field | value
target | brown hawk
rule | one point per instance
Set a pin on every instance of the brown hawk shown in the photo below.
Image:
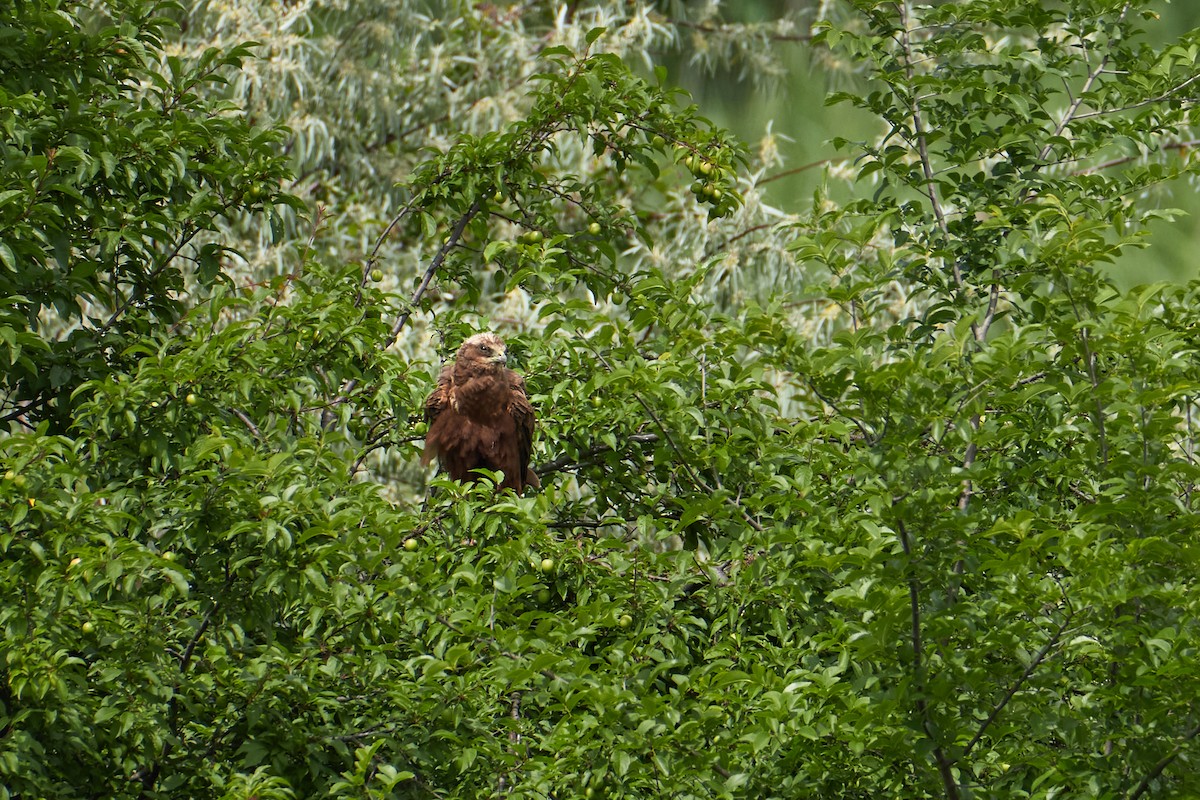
(480, 417)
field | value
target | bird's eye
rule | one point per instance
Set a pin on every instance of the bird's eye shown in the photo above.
(485, 349)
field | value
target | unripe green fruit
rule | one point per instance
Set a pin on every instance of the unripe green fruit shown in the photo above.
(706, 168)
(625, 621)
(411, 544)
(87, 627)
(658, 142)
(594, 228)
(547, 565)
(543, 596)
(377, 275)
(191, 399)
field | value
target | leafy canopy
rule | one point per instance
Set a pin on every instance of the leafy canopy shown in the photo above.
(911, 519)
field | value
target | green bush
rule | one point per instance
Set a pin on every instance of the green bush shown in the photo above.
(913, 522)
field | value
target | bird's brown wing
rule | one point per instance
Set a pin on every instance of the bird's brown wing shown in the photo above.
(524, 418)
(437, 402)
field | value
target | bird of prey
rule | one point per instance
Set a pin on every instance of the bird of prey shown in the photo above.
(480, 417)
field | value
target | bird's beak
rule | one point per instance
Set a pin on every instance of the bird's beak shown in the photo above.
(500, 358)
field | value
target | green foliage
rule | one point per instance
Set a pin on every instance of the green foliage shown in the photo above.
(116, 168)
(914, 522)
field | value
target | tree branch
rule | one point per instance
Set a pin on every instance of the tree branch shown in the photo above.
(1073, 109)
(740, 31)
(438, 259)
(568, 463)
(1017, 684)
(1162, 764)
(944, 764)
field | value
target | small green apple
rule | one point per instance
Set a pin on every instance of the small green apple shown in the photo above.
(411, 544)
(625, 620)
(547, 566)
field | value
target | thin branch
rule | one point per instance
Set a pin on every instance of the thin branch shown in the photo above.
(944, 764)
(989, 316)
(868, 433)
(1073, 110)
(586, 523)
(931, 190)
(1164, 762)
(237, 412)
(968, 461)
(794, 170)
(740, 31)
(573, 462)
(1089, 360)
(1116, 162)
(919, 132)
(1017, 684)
(434, 265)
(378, 730)
(186, 658)
(696, 479)
(1167, 95)
(438, 259)
(185, 236)
(1037, 376)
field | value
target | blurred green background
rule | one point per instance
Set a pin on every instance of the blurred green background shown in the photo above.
(794, 107)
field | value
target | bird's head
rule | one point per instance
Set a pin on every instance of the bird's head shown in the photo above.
(487, 348)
